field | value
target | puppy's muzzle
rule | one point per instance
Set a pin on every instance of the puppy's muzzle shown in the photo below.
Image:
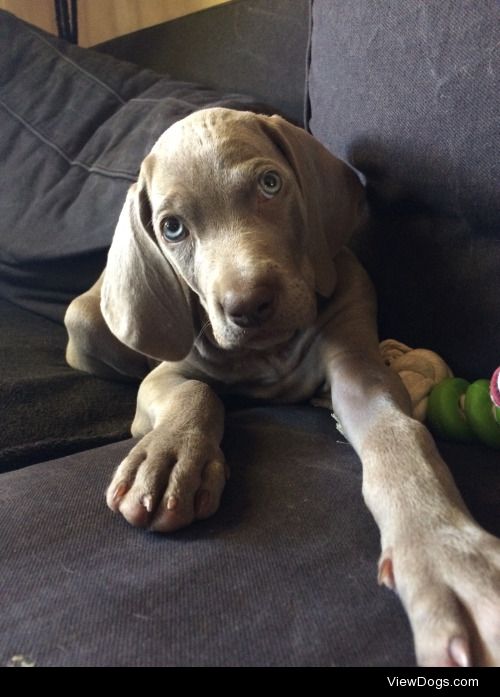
(251, 307)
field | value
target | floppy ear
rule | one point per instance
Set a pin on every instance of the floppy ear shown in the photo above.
(334, 198)
(144, 302)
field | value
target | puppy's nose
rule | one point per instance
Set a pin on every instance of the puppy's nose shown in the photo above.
(250, 308)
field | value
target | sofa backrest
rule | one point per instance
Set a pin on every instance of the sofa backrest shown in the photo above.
(255, 47)
(408, 92)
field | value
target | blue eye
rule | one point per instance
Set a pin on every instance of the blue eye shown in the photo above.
(173, 230)
(270, 183)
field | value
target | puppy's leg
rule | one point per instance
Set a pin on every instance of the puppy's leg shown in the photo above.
(91, 345)
(445, 568)
(176, 473)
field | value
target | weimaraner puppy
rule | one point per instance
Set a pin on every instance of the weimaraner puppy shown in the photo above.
(228, 272)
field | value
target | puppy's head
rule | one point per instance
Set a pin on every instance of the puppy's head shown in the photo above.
(236, 217)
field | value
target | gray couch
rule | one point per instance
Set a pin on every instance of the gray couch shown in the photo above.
(285, 573)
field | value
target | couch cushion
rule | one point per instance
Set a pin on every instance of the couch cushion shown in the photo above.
(408, 92)
(49, 409)
(74, 127)
(285, 574)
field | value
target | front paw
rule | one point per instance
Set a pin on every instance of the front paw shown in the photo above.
(168, 480)
(449, 582)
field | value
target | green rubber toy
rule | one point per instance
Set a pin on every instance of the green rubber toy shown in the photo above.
(445, 411)
(464, 412)
(481, 413)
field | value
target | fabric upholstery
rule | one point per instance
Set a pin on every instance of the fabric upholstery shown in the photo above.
(283, 575)
(48, 409)
(408, 92)
(259, 49)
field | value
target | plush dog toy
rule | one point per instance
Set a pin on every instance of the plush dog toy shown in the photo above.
(459, 410)
(419, 369)
(454, 408)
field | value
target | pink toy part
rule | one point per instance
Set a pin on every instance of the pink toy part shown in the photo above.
(495, 388)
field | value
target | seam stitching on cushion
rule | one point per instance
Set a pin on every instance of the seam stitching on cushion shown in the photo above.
(78, 67)
(73, 163)
(169, 99)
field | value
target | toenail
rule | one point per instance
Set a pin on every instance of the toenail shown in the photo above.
(120, 490)
(147, 502)
(172, 503)
(459, 652)
(386, 574)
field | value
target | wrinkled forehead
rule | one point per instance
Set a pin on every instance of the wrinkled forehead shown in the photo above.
(211, 142)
